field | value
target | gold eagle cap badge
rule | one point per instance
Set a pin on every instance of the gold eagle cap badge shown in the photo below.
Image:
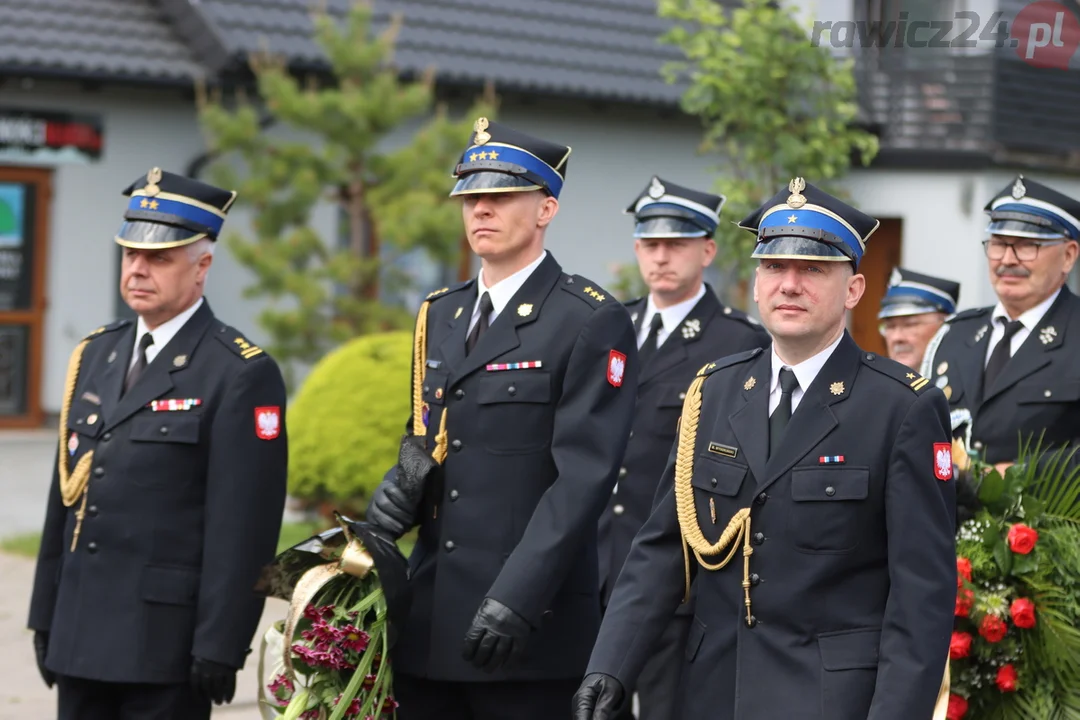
(152, 179)
(480, 128)
(796, 199)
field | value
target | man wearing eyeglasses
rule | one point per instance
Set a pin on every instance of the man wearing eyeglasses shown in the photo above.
(1014, 366)
(913, 309)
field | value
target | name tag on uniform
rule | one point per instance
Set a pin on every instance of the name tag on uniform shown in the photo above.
(496, 367)
(725, 450)
(174, 404)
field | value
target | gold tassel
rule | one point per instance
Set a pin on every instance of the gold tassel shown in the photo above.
(419, 363)
(73, 483)
(439, 453)
(738, 528)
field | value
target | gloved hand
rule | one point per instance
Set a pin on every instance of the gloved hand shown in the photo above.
(216, 681)
(414, 465)
(41, 647)
(391, 510)
(598, 697)
(497, 636)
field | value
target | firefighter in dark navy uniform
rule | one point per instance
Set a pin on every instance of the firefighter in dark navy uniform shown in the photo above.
(169, 487)
(912, 311)
(809, 500)
(1012, 369)
(523, 393)
(680, 326)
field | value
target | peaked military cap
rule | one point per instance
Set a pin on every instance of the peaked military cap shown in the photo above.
(806, 223)
(499, 159)
(1031, 210)
(667, 210)
(912, 293)
(168, 210)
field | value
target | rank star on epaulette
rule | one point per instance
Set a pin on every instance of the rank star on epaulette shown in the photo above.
(247, 350)
(433, 293)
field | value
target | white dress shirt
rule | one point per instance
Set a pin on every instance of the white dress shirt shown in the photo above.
(672, 317)
(501, 292)
(1029, 319)
(805, 372)
(162, 334)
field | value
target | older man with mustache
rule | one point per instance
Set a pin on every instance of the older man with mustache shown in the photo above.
(1014, 366)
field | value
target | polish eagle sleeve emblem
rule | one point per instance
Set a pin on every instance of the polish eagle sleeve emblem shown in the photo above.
(267, 422)
(943, 466)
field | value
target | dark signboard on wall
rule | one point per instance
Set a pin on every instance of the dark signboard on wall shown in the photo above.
(47, 136)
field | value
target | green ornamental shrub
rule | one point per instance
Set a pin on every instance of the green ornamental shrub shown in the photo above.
(346, 421)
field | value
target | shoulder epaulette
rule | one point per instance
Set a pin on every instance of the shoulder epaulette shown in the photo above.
(732, 313)
(235, 341)
(108, 328)
(710, 368)
(591, 293)
(897, 371)
(434, 294)
(974, 312)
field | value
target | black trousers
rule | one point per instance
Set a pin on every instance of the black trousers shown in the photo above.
(658, 686)
(81, 699)
(422, 699)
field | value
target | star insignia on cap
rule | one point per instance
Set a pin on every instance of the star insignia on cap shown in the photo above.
(792, 218)
(492, 155)
(472, 157)
(1047, 335)
(153, 204)
(750, 383)
(837, 388)
(144, 203)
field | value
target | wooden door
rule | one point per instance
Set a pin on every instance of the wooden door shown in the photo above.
(883, 251)
(25, 194)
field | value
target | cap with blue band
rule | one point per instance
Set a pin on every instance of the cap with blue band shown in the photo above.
(500, 159)
(1031, 210)
(169, 210)
(912, 293)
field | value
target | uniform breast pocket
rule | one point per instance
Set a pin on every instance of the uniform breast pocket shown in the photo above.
(716, 483)
(1050, 391)
(827, 508)
(665, 413)
(168, 441)
(515, 411)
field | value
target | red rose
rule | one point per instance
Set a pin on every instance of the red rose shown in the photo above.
(1023, 613)
(992, 628)
(1022, 539)
(963, 570)
(958, 707)
(959, 646)
(1006, 678)
(965, 598)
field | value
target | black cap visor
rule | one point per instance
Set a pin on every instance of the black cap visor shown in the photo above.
(904, 306)
(790, 242)
(511, 178)
(155, 236)
(668, 227)
(1015, 224)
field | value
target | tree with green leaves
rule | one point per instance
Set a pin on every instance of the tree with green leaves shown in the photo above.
(773, 106)
(310, 141)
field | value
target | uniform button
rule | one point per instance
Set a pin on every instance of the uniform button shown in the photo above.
(92, 510)
(164, 430)
(713, 482)
(631, 433)
(830, 491)
(622, 473)
(106, 437)
(618, 509)
(426, 388)
(99, 471)
(755, 579)
(760, 499)
(512, 390)
(459, 393)
(869, 356)
(977, 445)
(449, 545)
(453, 495)
(456, 444)
(91, 548)
(759, 538)
(1046, 393)
(751, 622)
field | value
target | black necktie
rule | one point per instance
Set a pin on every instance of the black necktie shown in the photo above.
(648, 349)
(140, 362)
(481, 326)
(779, 419)
(1000, 357)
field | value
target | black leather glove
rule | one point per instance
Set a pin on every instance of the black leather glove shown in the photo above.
(414, 465)
(41, 648)
(598, 697)
(216, 681)
(391, 510)
(497, 636)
